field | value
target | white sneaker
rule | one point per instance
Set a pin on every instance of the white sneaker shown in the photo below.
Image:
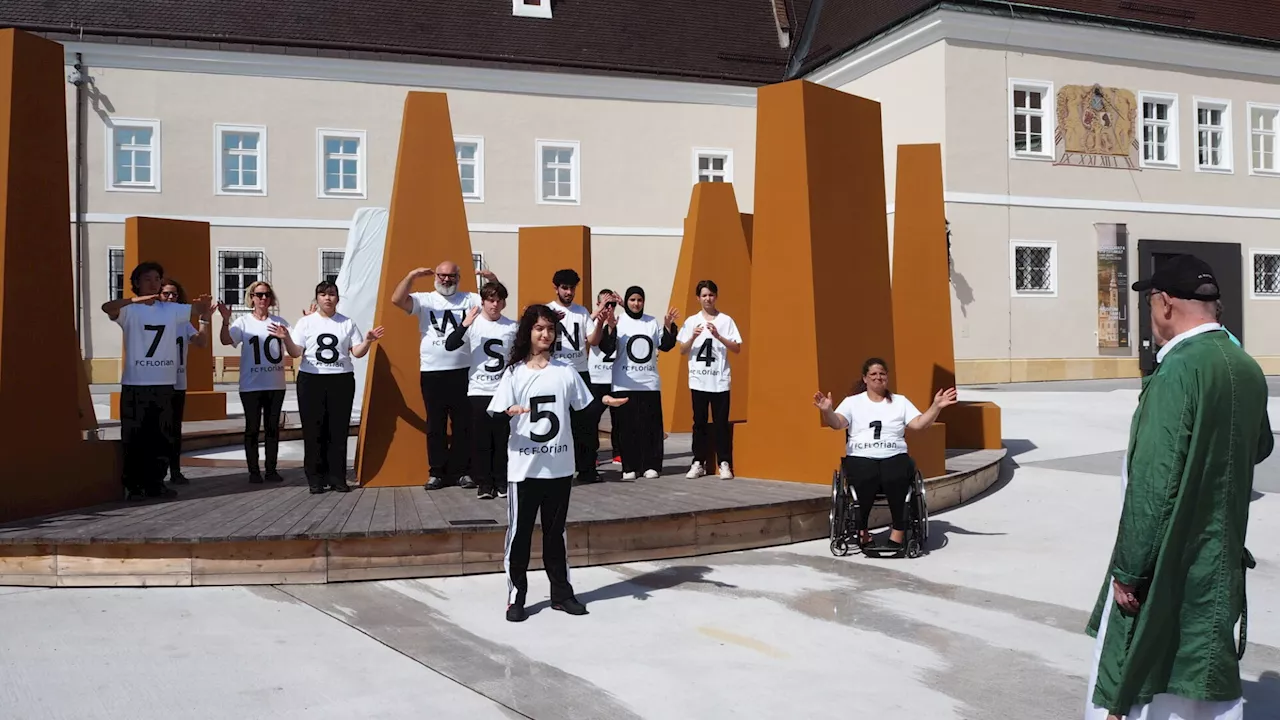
(651, 474)
(628, 476)
(725, 472)
(695, 470)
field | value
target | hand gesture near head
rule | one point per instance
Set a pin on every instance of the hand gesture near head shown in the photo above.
(421, 273)
(488, 276)
(945, 397)
(310, 310)
(822, 402)
(672, 315)
(145, 299)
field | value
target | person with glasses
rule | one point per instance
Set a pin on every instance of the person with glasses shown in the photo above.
(443, 372)
(263, 340)
(171, 291)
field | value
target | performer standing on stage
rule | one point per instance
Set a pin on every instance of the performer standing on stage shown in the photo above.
(488, 337)
(538, 393)
(327, 387)
(263, 340)
(711, 335)
(577, 333)
(186, 337)
(443, 372)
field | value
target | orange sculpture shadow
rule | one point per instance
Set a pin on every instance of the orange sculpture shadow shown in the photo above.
(427, 225)
(543, 251)
(48, 466)
(820, 223)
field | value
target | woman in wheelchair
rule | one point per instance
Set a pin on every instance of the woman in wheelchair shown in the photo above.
(876, 461)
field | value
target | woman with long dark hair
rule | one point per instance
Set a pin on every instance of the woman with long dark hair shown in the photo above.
(875, 422)
(172, 291)
(539, 394)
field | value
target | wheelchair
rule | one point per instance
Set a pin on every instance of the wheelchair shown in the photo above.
(845, 526)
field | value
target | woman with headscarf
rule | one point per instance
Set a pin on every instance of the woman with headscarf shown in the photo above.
(636, 343)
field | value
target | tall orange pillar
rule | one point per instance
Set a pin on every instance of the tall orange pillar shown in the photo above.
(182, 247)
(543, 251)
(714, 248)
(820, 236)
(427, 225)
(47, 465)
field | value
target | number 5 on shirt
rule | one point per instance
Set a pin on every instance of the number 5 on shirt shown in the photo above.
(537, 416)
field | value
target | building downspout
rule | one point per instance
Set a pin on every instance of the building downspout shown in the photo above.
(80, 78)
(801, 49)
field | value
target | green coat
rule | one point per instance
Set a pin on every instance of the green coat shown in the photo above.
(1200, 427)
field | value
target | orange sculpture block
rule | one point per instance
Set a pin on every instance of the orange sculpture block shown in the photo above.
(427, 225)
(714, 248)
(928, 448)
(543, 251)
(48, 466)
(973, 426)
(820, 225)
(182, 247)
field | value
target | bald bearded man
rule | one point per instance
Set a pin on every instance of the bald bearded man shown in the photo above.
(443, 372)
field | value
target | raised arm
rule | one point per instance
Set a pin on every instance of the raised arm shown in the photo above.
(687, 345)
(830, 417)
(400, 298)
(225, 334)
(277, 330)
(944, 398)
(454, 341)
(112, 307)
(205, 329)
(359, 351)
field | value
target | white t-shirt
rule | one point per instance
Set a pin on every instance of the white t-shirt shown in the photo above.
(184, 350)
(438, 316)
(326, 343)
(150, 351)
(571, 335)
(600, 365)
(636, 366)
(490, 346)
(708, 357)
(541, 443)
(876, 429)
(261, 355)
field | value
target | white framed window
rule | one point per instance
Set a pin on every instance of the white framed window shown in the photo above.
(1213, 135)
(712, 165)
(1262, 139)
(115, 273)
(240, 159)
(1033, 267)
(331, 264)
(1031, 119)
(531, 8)
(477, 263)
(1266, 274)
(133, 155)
(469, 151)
(238, 268)
(1159, 130)
(340, 169)
(558, 163)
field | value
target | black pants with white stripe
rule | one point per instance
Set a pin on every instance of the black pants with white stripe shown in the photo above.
(146, 432)
(526, 499)
(489, 435)
(324, 403)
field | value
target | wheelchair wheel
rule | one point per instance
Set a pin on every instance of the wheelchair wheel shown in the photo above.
(920, 525)
(837, 517)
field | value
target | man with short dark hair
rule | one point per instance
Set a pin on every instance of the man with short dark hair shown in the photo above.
(577, 332)
(1166, 616)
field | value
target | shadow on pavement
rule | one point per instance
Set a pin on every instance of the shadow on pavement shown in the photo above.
(640, 586)
(1262, 696)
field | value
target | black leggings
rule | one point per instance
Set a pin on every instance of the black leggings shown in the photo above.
(719, 404)
(262, 408)
(146, 432)
(324, 402)
(889, 476)
(175, 446)
(444, 394)
(639, 429)
(489, 433)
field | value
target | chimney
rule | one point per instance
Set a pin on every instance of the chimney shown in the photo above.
(531, 8)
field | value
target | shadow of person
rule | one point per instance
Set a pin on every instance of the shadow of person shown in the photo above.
(940, 530)
(640, 586)
(1262, 696)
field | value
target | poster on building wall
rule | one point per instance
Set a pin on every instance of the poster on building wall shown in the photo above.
(1113, 285)
(1097, 127)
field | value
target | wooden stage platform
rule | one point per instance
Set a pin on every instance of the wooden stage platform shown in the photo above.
(224, 531)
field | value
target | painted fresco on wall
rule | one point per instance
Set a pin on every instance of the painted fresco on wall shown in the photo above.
(1097, 127)
(1113, 284)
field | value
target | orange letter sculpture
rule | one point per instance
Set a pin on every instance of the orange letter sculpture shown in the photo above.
(714, 248)
(543, 251)
(182, 247)
(427, 225)
(820, 274)
(48, 466)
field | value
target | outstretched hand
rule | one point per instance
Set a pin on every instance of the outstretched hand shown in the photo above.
(613, 402)
(515, 410)
(201, 304)
(310, 310)
(672, 314)
(471, 316)
(946, 397)
(146, 299)
(374, 334)
(225, 311)
(822, 402)
(277, 331)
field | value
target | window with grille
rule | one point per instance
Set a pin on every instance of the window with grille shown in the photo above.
(331, 264)
(237, 270)
(1034, 268)
(1262, 138)
(713, 166)
(115, 273)
(557, 172)
(1159, 130)
(1266, 274)
(1213, 135)
(469, 152)
(1032, 119)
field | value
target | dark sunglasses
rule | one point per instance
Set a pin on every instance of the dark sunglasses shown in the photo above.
(168, 294)
(262, 295)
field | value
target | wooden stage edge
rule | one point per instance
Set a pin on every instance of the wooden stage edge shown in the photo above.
(224, 531)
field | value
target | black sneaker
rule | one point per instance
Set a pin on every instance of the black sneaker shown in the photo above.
(516, 613)
(317, 489)
(571, 606)
(486, 493)
(502, 491)
(178, 479)
(255, 477)
(588, 478)
(273, 477)
(436, 483)
(339, 485)
(466, 482)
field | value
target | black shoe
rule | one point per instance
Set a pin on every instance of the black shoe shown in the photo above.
(255, 477)
(486, 493)
(273, 477)
(502, 491)
(178, 479)
(588, 478)
(437, 483)
(134, 495)
(516, 613)
(317, 489)
(571, 606)
(339, 486)
(466, 482)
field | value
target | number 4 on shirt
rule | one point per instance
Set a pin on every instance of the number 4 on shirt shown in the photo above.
(705, 354)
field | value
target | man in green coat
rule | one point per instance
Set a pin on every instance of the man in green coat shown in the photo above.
(1166, 617)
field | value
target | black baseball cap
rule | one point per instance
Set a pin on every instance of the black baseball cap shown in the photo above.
(1181, 276)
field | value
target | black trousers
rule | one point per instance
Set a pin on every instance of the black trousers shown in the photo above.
(146, 433)
(586, 435)
(175, 444)
(550, 496)
(489, 434)
(444, 393)
(262, 409)
(641, 430)
(718, 402)
(591, 423)
(889, 476)
(324, 402)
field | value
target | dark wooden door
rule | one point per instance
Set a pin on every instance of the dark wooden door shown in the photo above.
(1224, 258)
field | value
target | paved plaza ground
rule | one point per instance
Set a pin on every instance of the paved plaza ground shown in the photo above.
(990, 624)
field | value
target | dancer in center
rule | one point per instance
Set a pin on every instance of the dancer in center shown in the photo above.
(539, 394)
